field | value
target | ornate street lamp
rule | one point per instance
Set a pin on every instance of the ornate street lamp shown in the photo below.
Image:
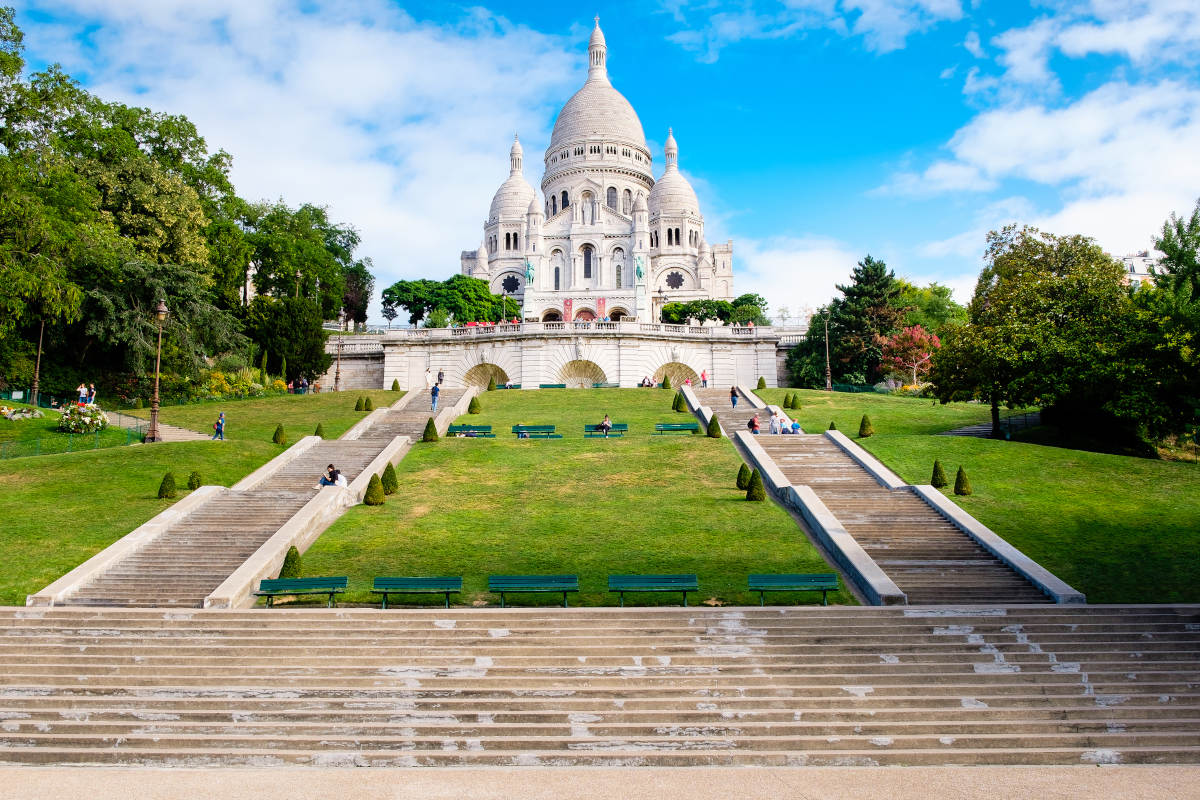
(828, 382)
(337, 375)
(160, 314)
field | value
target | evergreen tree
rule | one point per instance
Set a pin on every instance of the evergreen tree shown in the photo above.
(391, 484)
(374, 495)
(755, 490)
(865, 428)
(714, 428)
(762, 383)
(194, 480)
(832, 426)
(166, 489)
(280, 437)
(291, 564)
(320, 431)
(474, 407)
(666, 381)
(360, 404)
(743, 477)
(491, 387)
(430, 434)
(939, 475)
(368, 404)
(395, 384)
(961, 484)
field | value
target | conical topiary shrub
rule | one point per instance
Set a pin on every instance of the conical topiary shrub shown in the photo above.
(291, 564)
(755, 490)
(865, 428)
(391, 484)
(360, 404)
(368, 404)
(194, 480)
(430, 434)
(262, 365)
(962, 485)
(796, 401)
(743, 477)
(283, 368)
(280, 436)
(678, 404)
(492, 384)
(320, 431)
(714, 428)
(473, 407)
(374, 495)
(666, 381)
(762, 382)
(395, 384)
(166, 489)
(939, 475)
(832, 426)
(137, 402)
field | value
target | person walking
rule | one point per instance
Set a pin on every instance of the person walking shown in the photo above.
(703, 379)
(752, 425)
(219, 427)
(441, 377)
(428, 377)
(433, 394)
(733, 395)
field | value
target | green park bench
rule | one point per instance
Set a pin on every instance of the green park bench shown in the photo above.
(676, 427)
(653, 583)
(480, 431)
(502, 386)
(506, 584)
(596, 432)
(271, 588)
(552, 386)
(606, 386)
(823, 582)
(391, 585)
(536, 431)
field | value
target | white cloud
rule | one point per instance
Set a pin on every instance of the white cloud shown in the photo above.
(402, 128)
(948, 72)
(884, 25)
(799, 272)
(972, 45)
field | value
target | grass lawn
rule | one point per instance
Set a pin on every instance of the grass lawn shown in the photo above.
(592, 507)
(1118, 528)
(889, 414)
(30, 437)
(60, 510)
(255, 419)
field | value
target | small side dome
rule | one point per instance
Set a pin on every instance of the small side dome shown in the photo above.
(535, 208)
(640, 203)
(673, 194)
(704, 248)
(515, 195)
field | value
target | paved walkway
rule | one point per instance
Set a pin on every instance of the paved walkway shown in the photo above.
(1012, 423)
(169, 433)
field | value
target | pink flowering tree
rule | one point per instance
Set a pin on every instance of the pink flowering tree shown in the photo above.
(910, 351)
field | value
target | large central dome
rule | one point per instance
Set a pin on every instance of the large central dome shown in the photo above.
(597, 109)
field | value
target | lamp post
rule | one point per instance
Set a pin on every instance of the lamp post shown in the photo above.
(37, 368)
(828, 381)
(160, 314)
(662, 304)
(504, 306)
(337, 375)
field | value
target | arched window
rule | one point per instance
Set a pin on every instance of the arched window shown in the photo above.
(507, 242)
(564, 200)
(612, 197)
(670, 236)
(677, 239)
(618, 259)
(516, 244)
(553, 205)
(587, 261)
(556, 277)
(627, 202)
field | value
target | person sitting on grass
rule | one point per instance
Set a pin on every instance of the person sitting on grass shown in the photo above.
(606, 425)
(330, 476)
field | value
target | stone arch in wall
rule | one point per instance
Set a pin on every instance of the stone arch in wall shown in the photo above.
(585, 315)
(552, 315)
(678, 373)
(617, 313)
(480, 374)
(581, 374)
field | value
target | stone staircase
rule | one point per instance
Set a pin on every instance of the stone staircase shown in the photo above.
(930, 559)
(410, 420)
(628, 687)
(196, 554)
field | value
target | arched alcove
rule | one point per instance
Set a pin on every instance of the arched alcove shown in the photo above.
(480, 374)
(678, 373)
(581, 374)
(617, 314)
(552, 315)
(585, 315)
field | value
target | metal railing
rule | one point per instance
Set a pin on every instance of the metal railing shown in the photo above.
(56, 444)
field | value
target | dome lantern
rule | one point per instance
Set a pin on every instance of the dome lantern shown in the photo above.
(597, 55)
(515, 156)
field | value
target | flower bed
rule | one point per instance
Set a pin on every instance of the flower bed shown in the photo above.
(82, 419)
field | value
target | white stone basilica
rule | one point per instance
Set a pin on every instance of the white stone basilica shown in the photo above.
(607, 240)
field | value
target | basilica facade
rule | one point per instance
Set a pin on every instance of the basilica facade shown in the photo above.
(604, 239)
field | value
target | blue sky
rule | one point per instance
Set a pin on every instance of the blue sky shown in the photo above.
(815, 131)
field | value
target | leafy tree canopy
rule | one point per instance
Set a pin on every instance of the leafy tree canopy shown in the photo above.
(289, 329)
(464, 298)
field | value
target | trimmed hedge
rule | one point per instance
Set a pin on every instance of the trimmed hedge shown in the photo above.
(280, 437)
(666, 382)
(938, 480)
(395, 384)
(491, 387)
(360, 405)
(320, 431)
(368, 405)
(743, 477)
(474, 407)
(194, 481)
(865, 428)
(291, 564)
(166, 489)
(430, 434)
(714, 428)
(391, 484)
(374, 495)
(762, 382)
(755, 490)
(962, 485)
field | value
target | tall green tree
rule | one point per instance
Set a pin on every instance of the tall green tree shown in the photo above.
(289, 329)
(360, 284)
(464, 298)
(1178, 271)
(932, 307)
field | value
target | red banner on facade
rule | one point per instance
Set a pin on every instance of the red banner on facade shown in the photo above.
(600, 303)
(567, 316)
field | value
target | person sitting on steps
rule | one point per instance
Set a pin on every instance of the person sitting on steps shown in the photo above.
(330, 476)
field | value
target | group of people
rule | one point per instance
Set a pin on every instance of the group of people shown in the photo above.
(298, 387)
(778, 424)
(87, 394)
(485, 323)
